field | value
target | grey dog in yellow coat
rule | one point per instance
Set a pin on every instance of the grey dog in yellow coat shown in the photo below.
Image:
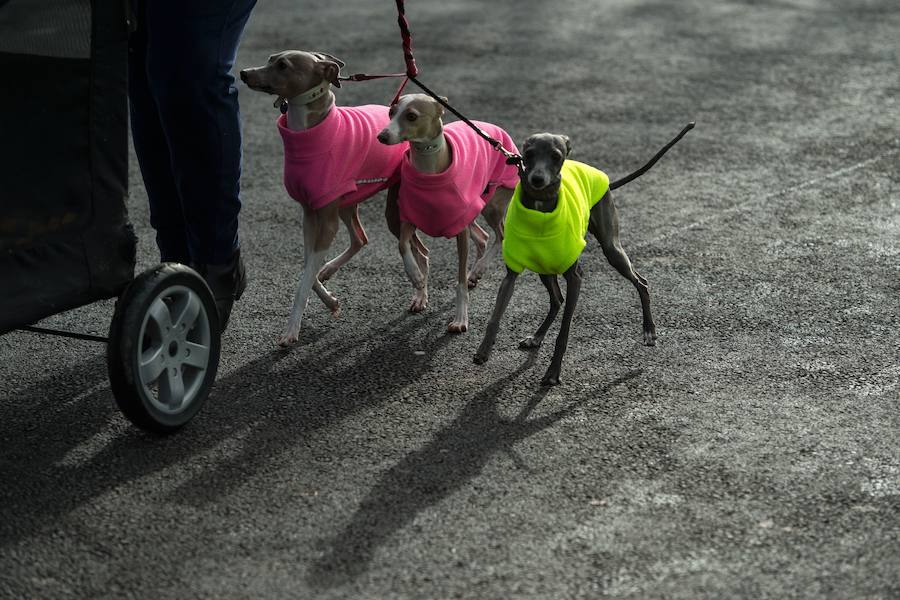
(553, 189)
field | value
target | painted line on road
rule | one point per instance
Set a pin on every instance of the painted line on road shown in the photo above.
(742, 206)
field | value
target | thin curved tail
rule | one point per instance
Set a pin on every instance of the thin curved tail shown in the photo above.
(632, 176)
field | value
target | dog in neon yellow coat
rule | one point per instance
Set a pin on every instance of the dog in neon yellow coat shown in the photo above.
(556, 203)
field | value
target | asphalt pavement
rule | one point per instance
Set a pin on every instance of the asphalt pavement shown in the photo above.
(753, 453)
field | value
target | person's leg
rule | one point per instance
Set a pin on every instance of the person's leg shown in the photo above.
(152, 150)
(191, 49)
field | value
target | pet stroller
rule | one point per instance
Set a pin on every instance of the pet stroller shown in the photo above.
(65, 238)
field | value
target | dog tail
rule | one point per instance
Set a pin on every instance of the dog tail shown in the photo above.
(631, 177)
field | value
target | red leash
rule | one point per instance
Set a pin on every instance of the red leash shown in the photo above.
(406, 36)
(512, 158)
(411, 69)
(364, 77)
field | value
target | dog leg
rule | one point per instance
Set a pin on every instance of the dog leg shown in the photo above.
(319, 228)
(480, 237)
(460, 323)
(392, 210)
(327, 227)
(494, 212)
(411, 264)
(327, 298)
(419, 246)
(573, 289)
(490, 333)
(420, 252)
(358, 238)
(604, 225)
(552, 284)
(301, 296)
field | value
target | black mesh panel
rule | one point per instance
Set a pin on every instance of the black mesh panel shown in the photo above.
(64, 235)
(60, 28)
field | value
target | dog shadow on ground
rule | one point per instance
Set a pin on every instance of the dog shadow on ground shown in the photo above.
(60, 462)
(455, 455)
(281, 425)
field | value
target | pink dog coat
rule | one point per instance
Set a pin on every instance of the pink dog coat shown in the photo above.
(340, 157)
(443, 204)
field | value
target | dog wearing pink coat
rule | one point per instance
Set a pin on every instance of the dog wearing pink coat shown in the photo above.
(332, 162)
(448, 177)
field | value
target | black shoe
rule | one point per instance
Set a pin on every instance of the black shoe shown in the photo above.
(227, 283)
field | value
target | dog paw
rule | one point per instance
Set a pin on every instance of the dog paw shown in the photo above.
(551, 376)
(550, 379)
(288, 339)
(332, 304)
(419, 302)
(530, 343)
(326, 273)
(650, 338)
(474, 276)
(458, 326)
(483, 352)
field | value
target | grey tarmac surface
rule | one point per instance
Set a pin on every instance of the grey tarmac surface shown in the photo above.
(752, 454)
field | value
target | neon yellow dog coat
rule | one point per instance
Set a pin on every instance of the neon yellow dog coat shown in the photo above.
(550, 243)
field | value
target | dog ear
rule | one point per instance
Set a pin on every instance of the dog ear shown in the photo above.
(565, 138)
(441, 106)
(526, 144)
(331, 57)
(329, 70)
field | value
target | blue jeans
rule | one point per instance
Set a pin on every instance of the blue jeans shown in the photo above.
(186, 125)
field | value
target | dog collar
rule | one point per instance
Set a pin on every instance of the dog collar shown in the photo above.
(310, 95)
(432, 146)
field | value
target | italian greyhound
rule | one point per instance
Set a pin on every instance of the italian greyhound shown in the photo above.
(331, 164)
(448, 177)
(562, 200)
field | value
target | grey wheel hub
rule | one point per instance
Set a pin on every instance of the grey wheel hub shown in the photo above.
(173, 355)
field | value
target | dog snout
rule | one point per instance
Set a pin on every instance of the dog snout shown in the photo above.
(244, 75)
(384, 137)
(537, 180)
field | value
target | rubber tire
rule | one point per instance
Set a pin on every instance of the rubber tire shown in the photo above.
(122, 359)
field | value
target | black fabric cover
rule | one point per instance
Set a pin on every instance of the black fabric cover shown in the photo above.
(65, 239)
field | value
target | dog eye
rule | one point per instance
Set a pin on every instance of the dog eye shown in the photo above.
(282, 65)
(411, 116)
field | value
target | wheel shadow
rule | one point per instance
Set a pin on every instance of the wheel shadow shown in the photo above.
(48, 485)
(455, 455)
(42, 425)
